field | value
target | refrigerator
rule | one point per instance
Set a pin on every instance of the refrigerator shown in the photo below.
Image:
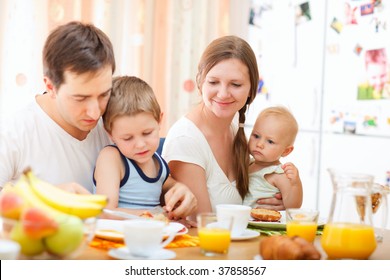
(313, 58)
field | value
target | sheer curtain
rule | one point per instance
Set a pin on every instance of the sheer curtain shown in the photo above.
(159, 41)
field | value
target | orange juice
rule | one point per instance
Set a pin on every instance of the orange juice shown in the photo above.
(214, 240)
(348, 241)
(306, 230)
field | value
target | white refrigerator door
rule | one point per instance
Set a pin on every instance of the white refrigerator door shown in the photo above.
(351, 153)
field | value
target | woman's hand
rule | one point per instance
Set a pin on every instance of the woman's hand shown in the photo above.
(274, 203)
(180, 202)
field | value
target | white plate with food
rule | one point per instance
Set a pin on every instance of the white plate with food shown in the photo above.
(113, 229)
(279, 225)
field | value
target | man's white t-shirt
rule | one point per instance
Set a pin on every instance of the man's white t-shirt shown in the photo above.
(32, 139)
(186, 143)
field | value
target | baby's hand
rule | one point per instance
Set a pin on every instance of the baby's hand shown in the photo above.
(291, 172)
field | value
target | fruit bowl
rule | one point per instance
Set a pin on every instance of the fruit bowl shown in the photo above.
(40, 240)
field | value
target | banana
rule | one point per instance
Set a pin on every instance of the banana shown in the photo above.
(42, 227)
(53, 191)
(22, 187)
(61, 200)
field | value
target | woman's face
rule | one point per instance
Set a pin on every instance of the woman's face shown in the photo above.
(226, 87)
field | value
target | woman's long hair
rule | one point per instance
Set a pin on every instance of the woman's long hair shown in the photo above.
(228, 47)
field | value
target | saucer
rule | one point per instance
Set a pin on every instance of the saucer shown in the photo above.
(123, 253)
(247, 234)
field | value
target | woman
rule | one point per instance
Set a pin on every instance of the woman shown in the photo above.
(205, 150)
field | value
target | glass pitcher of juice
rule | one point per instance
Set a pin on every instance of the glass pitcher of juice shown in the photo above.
(349, 232)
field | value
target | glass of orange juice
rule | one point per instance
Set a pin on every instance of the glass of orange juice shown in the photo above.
(214, 235)
(302, 222)
(348, 240)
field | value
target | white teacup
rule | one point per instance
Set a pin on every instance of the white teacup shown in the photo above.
(9, 250)
(144, 238)
(240, 214)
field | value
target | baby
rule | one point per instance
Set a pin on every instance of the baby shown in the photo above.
(273, 137)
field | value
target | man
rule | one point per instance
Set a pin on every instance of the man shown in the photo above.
(60, 134)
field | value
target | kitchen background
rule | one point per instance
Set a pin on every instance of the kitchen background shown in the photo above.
(325, 60)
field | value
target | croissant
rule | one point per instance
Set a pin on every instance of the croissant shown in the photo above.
(287, 248)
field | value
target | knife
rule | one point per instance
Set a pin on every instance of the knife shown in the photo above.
(122, 214)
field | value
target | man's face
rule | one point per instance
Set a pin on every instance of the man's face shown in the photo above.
(81, 100)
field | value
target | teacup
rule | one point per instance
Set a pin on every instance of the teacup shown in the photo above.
(144, 238)
(9, 250)
(240, 214)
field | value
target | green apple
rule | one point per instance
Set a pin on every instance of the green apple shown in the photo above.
(29, 246)
(68, 237)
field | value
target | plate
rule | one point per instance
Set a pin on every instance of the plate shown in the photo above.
(123, 253)
(247, 234)
(281, 225)
(113, 229)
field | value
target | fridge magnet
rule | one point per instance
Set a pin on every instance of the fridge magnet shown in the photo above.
(349, 127)
(378, 24)
(302, 13)
(370, 121)
(333, 48)
(376, 76)
(358, 49)
(256, 11)
(336, 25)
(377, 3)
(367, 9)
(335, 116)
(261, 89)
(350, 13)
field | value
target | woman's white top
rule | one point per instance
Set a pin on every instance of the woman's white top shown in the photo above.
(186, 143)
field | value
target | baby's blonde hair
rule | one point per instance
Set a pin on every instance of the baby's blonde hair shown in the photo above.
(284, 115)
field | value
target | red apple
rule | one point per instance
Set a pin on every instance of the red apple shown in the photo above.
(37, 223)
(11, 205)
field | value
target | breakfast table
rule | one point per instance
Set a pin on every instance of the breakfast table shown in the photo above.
(239, 250)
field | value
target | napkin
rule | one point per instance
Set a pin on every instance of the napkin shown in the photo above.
(270, 232)
(184, 240)
(181, 241)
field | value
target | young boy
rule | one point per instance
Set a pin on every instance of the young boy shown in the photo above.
(273, 137)
(130, 172)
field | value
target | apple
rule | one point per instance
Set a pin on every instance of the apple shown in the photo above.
(37, 223)
(68, 237)
(11, 205)
(28, 246)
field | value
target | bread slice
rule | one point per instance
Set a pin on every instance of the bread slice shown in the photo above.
(265, 215)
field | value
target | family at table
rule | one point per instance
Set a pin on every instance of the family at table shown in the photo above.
(92, 133)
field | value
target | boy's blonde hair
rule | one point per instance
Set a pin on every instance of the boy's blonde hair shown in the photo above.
(284, 115)
(130, 96)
